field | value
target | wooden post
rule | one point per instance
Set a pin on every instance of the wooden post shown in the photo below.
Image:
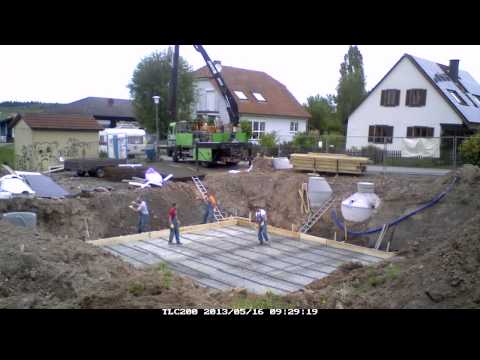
(346, 231)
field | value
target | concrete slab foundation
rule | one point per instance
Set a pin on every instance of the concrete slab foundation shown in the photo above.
(227, 255)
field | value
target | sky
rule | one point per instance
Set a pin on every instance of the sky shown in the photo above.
(66, 73)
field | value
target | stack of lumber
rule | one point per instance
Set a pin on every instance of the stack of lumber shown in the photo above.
(329, 163)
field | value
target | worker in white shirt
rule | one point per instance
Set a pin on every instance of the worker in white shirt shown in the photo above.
(141, 207)
(261, 218)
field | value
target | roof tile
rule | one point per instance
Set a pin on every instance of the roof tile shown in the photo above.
(279, 101)
(44, 121)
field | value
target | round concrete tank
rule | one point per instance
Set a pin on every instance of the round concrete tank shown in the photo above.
(360, 206)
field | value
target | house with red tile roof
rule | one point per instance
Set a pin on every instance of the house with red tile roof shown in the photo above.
(262, 100)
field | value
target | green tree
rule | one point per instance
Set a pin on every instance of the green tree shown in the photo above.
(152, 77)
(351, 86)
(324, 116)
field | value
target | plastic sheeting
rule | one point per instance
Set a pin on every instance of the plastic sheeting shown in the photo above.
(421, 147)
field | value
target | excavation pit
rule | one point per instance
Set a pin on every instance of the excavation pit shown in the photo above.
(227, 255)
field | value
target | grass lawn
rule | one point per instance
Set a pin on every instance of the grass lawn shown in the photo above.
(7, 155)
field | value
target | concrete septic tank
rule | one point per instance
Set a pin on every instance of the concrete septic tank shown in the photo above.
(319, 191)
(227, 255)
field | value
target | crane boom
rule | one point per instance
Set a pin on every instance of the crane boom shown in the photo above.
(232, 107)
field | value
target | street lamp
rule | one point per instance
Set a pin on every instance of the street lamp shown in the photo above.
(156, 100)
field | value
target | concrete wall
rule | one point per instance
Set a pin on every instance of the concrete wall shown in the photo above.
(403, 77)
(36, 150)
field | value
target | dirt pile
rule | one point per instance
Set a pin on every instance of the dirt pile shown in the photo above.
(277, 192)
(95, 215)
(261, 164)
(38, 270)
(440, 267)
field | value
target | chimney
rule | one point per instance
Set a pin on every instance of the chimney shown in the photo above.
(453, 69)
(218, 65)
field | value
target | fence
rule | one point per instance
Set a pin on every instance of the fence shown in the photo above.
(435, 152)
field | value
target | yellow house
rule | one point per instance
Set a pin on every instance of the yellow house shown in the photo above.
(41, 139)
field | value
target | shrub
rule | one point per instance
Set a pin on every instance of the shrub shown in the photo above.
(304, 140)
(470, 150)
(338, 141)
(269, 140)
(246, 127)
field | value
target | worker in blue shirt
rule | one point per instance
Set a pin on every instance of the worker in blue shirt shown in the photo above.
(141, 207)
(261, 219)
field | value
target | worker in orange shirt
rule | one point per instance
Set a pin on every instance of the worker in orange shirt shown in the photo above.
(211, 204)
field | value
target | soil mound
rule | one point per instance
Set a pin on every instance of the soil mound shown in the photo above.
(38, 270)
(440, 267)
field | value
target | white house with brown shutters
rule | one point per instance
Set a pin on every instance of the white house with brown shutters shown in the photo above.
(263, 101)
(416, 99)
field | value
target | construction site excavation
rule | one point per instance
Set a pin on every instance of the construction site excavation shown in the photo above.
(215, 187)
(84, 249)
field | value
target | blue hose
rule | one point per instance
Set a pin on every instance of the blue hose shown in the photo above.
(432, 202)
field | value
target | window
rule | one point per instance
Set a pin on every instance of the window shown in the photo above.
(103, 140)
(211, 103)
(419, 131)
(390, 97)
(416, 97)
(294, 126)
(258, 129)
(457, 97)
(135, 140)
(380, 134)
(259, 97)
(241, 95)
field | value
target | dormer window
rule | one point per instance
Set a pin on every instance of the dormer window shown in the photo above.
(241, 95)
(457, 97)
(259, 97)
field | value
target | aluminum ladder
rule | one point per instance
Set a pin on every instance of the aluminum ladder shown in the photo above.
(313, 217)
(217, 214)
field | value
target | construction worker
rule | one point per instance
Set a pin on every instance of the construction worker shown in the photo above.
(211, 204)
(261, 218)
(140, 206)
(173, 223)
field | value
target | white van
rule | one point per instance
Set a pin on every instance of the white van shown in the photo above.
(134, 139)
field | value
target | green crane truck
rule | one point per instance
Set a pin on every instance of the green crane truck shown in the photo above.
(202, 143)
(186, 141)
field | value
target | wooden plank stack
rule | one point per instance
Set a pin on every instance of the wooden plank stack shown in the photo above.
(329, 163)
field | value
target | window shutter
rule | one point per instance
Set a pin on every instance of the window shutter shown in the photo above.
(370, 133)
(409, 131)
(397, 97)
(382, 98)
(430, 132)
(424, 97)
(407, 98)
